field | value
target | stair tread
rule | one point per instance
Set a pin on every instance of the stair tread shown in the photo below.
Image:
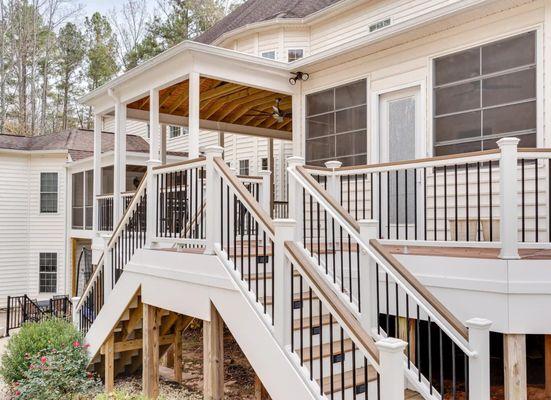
(305, 296)
(411, 395)
(348, 379)
(348, 345)
(315, 321)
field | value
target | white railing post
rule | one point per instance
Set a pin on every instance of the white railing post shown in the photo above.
(265, 191)
(284, 230)
(151, 203)
(333, 180)
(391, 361)
(212, 202)
(479, 365)
(74, 314)
(508, 197)
(368, 283)
(295, 195)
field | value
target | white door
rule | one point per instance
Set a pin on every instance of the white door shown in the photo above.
(399, 140)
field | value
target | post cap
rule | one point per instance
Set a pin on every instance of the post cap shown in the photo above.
(479, 323)
(508, 141)
(391, 345)
(284, 222)
(216, 150)
(295, 160)
(333, 164)
(368, 223)
(264, 172)
(153, 163)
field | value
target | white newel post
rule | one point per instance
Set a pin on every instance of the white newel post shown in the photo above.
(74, 315)
(479, 365)
(333, 180)
(508, 197)
(284, 230)
(368, 284)
(212, 208)
(295, 195)
(265, 191)
(391, 361)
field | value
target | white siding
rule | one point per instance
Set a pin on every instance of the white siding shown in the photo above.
(24, 231)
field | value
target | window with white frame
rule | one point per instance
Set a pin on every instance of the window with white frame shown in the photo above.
(294, 54)
(336, 125)
(175, 131)
(485, 93)
(243, 167)
(269, 54)
(47, 272)
(48, 192)
(264, 164)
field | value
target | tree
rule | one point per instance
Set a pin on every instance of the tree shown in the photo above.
(71, 46)
(102, 51)
(130, 24)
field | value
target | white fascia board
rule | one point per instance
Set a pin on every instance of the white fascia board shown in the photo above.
(34, 152)
(174, 64)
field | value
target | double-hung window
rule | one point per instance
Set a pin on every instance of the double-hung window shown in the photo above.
(244, 167)
(484, 94)
(48, 192)
(47, 272)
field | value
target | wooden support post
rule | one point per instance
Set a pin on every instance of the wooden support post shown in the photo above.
(260, 392)
(150, 365)
(547, 394)
(177, 350)
(514, 353)
(213, 356)
(403, 335)
(109, 351)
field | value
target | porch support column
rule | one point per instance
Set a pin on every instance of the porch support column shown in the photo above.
(97, 170)
(154, 160)
(193, 124)
(213, 356)
(514, 354)
(297, 120)
(154, 126)
(163, 144)
(271, 167)
(119, 170)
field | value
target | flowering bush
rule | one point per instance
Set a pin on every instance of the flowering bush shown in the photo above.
(32, 339)
(58, 374)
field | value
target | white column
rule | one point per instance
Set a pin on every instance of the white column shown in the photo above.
(107, 273)
(284, 230)
(368, 283)
(194, 108)
(212, 199)
(391, 360)
(266, 190)
(479, 366)
(508, 196)
(297, 120)
(97, 170)
(119, 170)
(154, 126)
(163, 144)
(333, 180)
(295, 195)
(154, 161)
(74, 314)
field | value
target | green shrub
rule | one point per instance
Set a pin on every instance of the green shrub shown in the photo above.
(32, 339)
(58, 374)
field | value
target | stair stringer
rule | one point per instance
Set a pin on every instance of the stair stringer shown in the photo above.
(187, 284)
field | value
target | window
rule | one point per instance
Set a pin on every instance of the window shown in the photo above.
(264, 164)
(175, 131)
(48, 192)
(243, 167)
(294, 54)
(78, 200)
(89, 198)
(148, 130)
(336, 125)
(484, 94)
(269, 54)
(48, 273)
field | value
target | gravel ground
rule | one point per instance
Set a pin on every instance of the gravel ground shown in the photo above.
(167, 390)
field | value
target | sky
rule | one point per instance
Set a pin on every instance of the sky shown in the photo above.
(104, 6)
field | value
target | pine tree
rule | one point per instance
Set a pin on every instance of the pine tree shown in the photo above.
(102, 51)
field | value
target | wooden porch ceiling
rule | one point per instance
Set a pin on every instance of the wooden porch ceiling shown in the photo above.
(224, 102)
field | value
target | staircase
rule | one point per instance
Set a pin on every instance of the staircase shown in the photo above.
(348, 318)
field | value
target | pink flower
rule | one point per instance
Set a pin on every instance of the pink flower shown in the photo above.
(89, 375)
(31, 366)
(76, 343)
(17, 393)
(86, 345)
(16, 384)
(43, 360)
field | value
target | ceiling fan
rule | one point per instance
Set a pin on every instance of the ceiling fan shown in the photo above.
(277, 113)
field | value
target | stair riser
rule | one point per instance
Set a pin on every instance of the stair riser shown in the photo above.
(349, 394)
(337, 366)
(316, 338)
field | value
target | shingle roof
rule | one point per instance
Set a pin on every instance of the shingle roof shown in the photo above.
(78, 142)
(262, 10)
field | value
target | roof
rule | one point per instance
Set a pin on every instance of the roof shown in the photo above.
(262, 10)
(79, 143)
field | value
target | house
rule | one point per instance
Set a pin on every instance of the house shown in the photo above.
(414, 262)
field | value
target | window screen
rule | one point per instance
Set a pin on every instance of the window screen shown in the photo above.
(336, 125)
(89, 199)
(264, 164)
(484, 94)
(48, 273)
(48, 192)
(78, 200)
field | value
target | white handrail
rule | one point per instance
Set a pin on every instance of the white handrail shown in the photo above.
(457, 338)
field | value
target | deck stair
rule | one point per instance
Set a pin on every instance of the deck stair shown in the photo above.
(340, 308)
